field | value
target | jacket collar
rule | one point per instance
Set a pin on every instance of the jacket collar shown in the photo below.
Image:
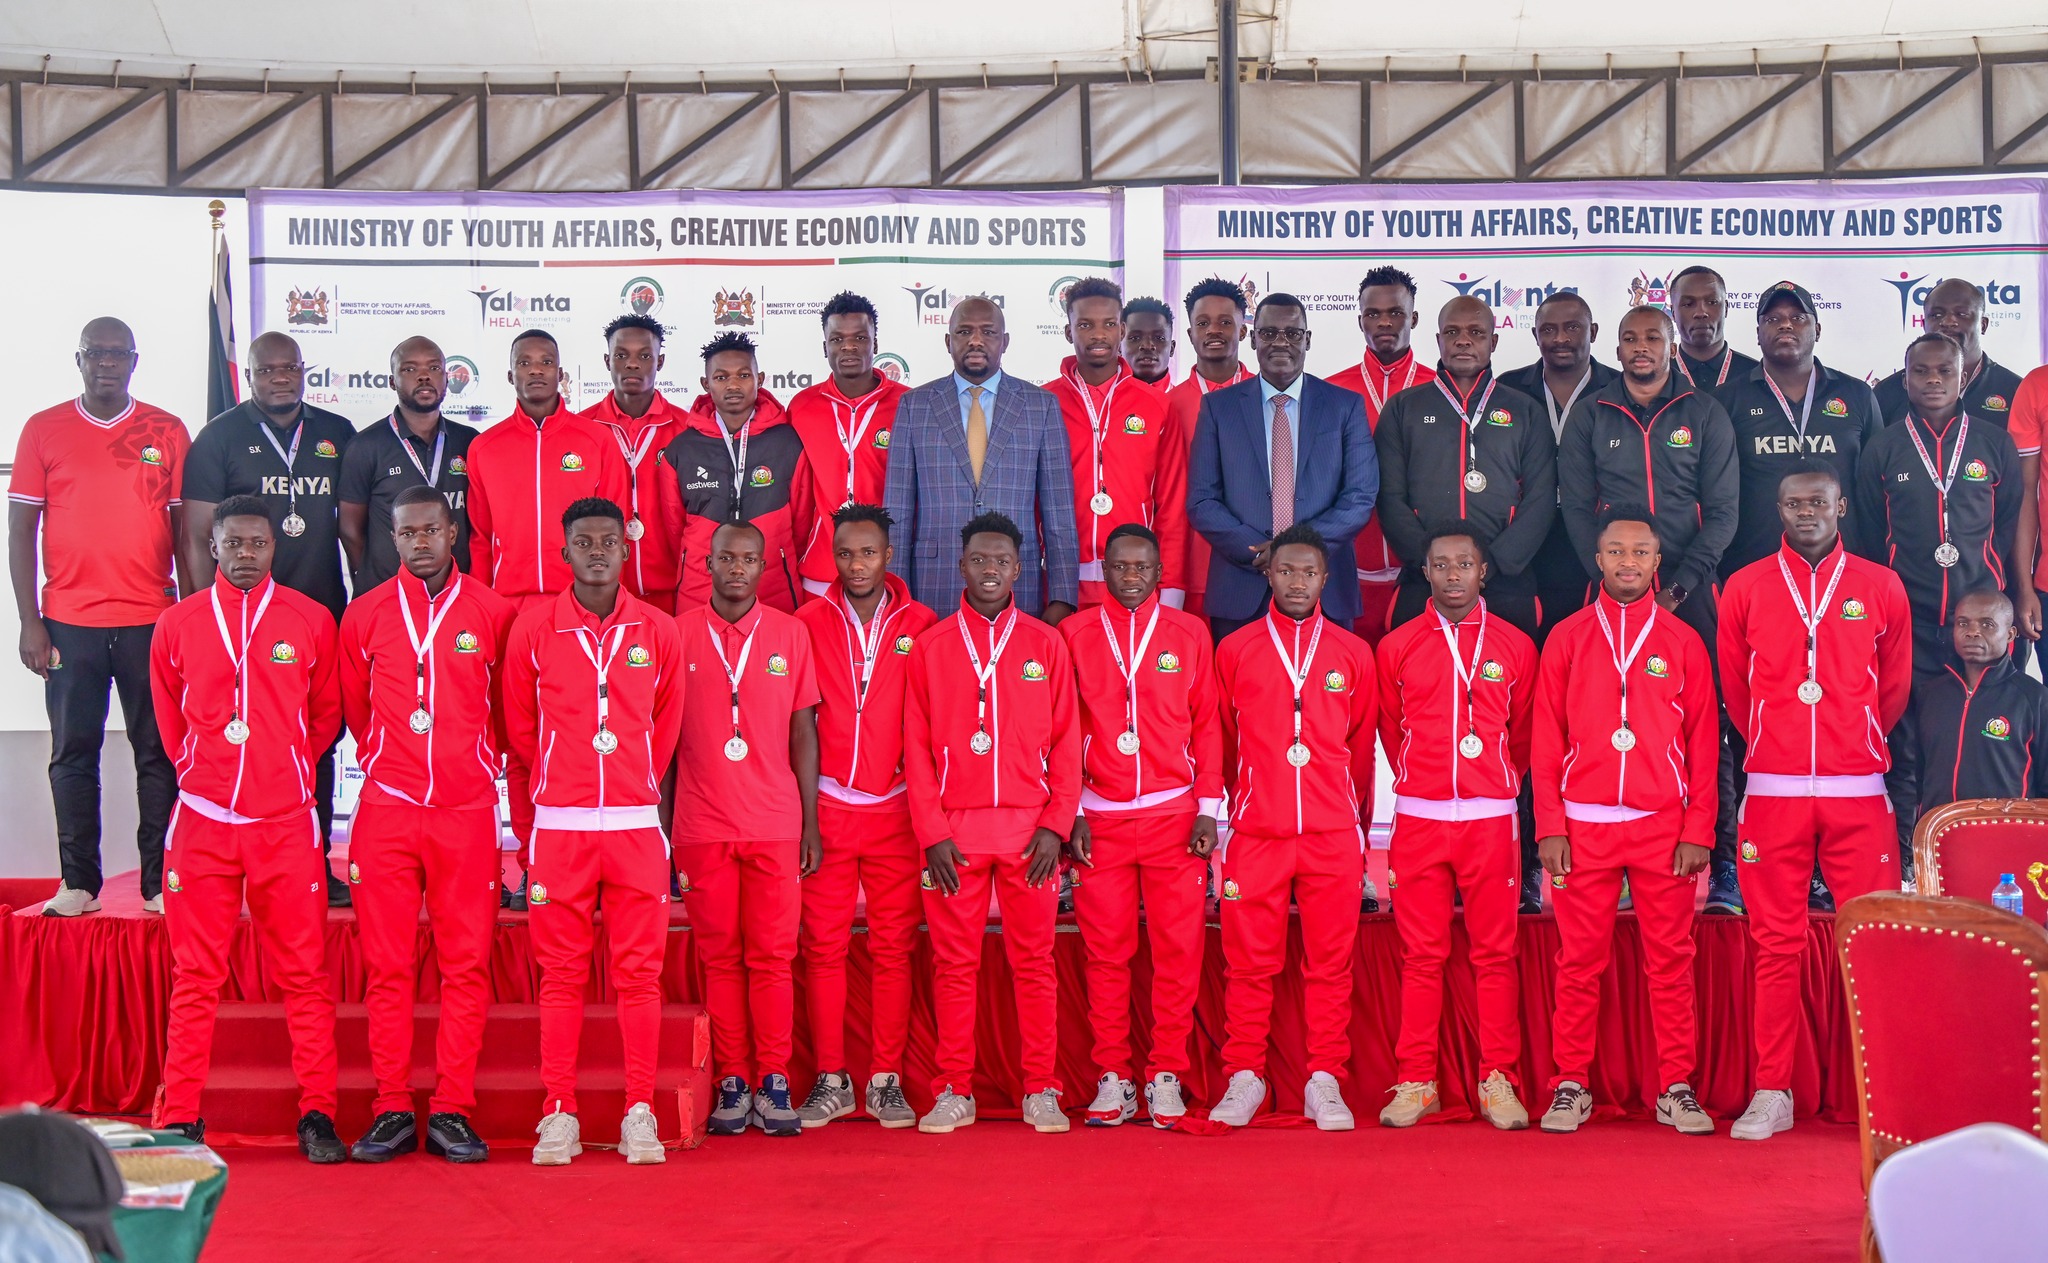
(570, 615)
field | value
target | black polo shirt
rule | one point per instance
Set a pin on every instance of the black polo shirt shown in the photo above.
(380, 464)
(1717, 374)
(242, 453)
(1841, 420)
(1988, 397)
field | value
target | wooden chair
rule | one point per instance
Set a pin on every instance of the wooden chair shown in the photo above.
(1945, 1000)
(1960, 848)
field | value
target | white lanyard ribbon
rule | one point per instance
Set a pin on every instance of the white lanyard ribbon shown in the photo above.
(868, 639)
(1557, 414)
(634, 453)
(1130, 671)
(1622, 662)
(1368, 369)
(1297, 672)
(289, 457)
(982, 675)
(851, 439)
(733, 670)
(1465, 673)
(1727, 359)
(1471, 420)
(1955, 462)
(1819, 612)
(590, 643)
(1205, 385)
(422, 647)
(249, 625)
(739, 458)
(431, 477)
(1098, 419)
(1805, 405)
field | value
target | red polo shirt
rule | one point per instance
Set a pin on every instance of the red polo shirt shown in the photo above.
(755, 798)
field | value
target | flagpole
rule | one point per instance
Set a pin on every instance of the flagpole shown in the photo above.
(223, 374)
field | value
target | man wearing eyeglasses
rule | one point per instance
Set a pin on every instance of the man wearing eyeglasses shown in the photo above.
(287, 453)
(1283, 449)
(96, 497)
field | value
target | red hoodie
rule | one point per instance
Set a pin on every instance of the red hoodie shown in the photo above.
(521, 477)
(1423, 716)
(638, 442)
(1863, 659)
(556, 777)
(1124, 444)
(1035, 763)
(287, 698)
(1173, 691)
(839, 432)
(455, 762)
(860, 732)
(1376, 383)
(1578, 772)
(1183, 408)
(697, 495)
(1270, 797)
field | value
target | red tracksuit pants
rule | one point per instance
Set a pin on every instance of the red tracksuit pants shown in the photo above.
(875, 853)
(1325, 872)
(1602, 854)
(1142, 856)
(1376, 599)
(1853, 838)
(398, 854)
(209, 868)
(744, 906)
(1435, 859)
(569, 870)
(959, 925)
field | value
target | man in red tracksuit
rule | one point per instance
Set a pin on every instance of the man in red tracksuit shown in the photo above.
(1626, 750)
(526, 469)
(737, 459)
(419, 666)
(747, 824)
(862, 631)
(243, 679)
(1386, 316)
(1151, 790)
(1217, 327)
(992, 755)
(1455, 689)
(1130, 460)
(844, 422)
(593, 702)
(641, 421)
(1298, 699)
(1816, 665)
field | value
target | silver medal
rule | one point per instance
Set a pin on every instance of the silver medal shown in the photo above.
(736, 749)
(236, 732)
(981, 743)
(1624, 739)
(1297, 754)
(1127, 742)
(1471, 746)
(422, 721)
(1947, 555)
(1101, 503)
(1809, 691)
(293, 525)
(605, 741)
(635, 529)
(1474, 480)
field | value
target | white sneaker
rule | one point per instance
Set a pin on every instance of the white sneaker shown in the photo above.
(1116, 1101)
(1769, 1113)
(1323, 1101)
(70, 903)
(561, 1138)
(1163, 1099)
(1241, 1100)
(639, 1139)
(155, 905)
(950, 1110)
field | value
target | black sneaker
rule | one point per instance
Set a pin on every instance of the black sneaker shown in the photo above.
(391, 1133)
(450, 1136)
(194, 1131)
(1724, 897)
(318, 1141)
(337, 892)
(1818, 897)
(1530, 901)
(513, 899)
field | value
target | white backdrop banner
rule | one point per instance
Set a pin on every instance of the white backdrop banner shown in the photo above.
(350, 275)
(1868, 251)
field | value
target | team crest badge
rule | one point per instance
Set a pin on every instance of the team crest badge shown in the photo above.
(283, 654)
(1657, 666)
(1748, 852)
(777, 664)
(1500, 416)
(571, 463)
(326, 448)
(457, 465)
(1034, 669)
(355, 874)
(1680, 437)
(1167, 664)
(1835, 408)
(1994, 403)
(924, 880)
(903, 644)
(465, 642)
(761, 477)
(152, 455)
(536, 895)
(682, 881)
(882, 439)
(1230, 890)
(1333, 682)
(171, 882)
(637, 656)
(1852, 609)
(1998, 728)
(1390, 879)
(1491, 670)
(1976, 471)
(1134, 424)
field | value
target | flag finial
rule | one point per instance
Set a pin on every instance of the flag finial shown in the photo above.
(216, 208)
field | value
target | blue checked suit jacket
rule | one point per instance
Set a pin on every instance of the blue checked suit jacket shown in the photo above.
(1027, 475)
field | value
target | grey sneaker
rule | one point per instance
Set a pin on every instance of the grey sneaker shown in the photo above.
(70, 903)
(773, 1113)
(561, 1138)
(1241, 1100)
(1042, 1112)
(1679, 1108)
(1163, 1099)
(831, 1097)
(639, 1140)
(886, 1103)
(951, 1110)
(1116, 1101)
(735, 1106)
(1570, 1106)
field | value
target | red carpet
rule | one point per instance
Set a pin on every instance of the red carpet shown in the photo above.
(1620, 1190)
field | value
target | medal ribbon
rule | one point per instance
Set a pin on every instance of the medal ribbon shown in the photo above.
(1820, 611)
(739, 459)
(1130, 672)
(1557, 414)
(634, 453)
(433, 478)
(1465, 673)
(851, 441)
(868, 640)
(1098, 420)
(733, 671)
(1805, 405)
(1205, 385)
(290, 458)
(1370, 367)
(1297, 673)
(1727, 359)
(1955, 462)
(1471, 421)
(590, 644)
(249, 626)
(1621, 663)
(982, 675)
(421, 648)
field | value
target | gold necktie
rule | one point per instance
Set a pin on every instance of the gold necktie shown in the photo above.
(977, 432)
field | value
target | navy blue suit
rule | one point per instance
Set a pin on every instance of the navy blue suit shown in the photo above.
(1230, 493)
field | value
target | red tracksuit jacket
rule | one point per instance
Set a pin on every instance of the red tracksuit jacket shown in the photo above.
(1671, 709)
(860, 733)
(638, 442)
(1144, 468)
(1183, 407)
(1180, 739)
(697, 497)
(1422, 715)
(1036, 762)
(1387, 380)
(455, 762)
(556, 778)
(288, 698)
(1269, 797)
(838, 432)
(521, 477)
(1863, 659)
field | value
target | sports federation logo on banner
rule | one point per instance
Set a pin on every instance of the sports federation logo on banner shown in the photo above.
(1649, 291)
(306, 307)
(892, 366)
(733, 308)
(461, 375)
(642, 296)
(1057, 295)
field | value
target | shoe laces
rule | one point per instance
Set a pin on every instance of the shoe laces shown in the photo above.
(556, 1127)
(1565, 1097)
(387, 1126)
(455, 1126)
(1416, 1092)
(1110, 1091)
(1683, 1101)
(1326, 1090)
(821, 1092)
(1496, 1090)
(732, 1091)
(890, 1096)
(639, 1127)
(1239, 1090)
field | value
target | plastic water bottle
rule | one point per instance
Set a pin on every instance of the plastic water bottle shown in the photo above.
(2008, 897)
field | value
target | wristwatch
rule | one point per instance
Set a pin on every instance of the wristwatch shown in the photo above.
(1677, 593)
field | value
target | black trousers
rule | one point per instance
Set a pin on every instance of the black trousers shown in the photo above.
(97, 661)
